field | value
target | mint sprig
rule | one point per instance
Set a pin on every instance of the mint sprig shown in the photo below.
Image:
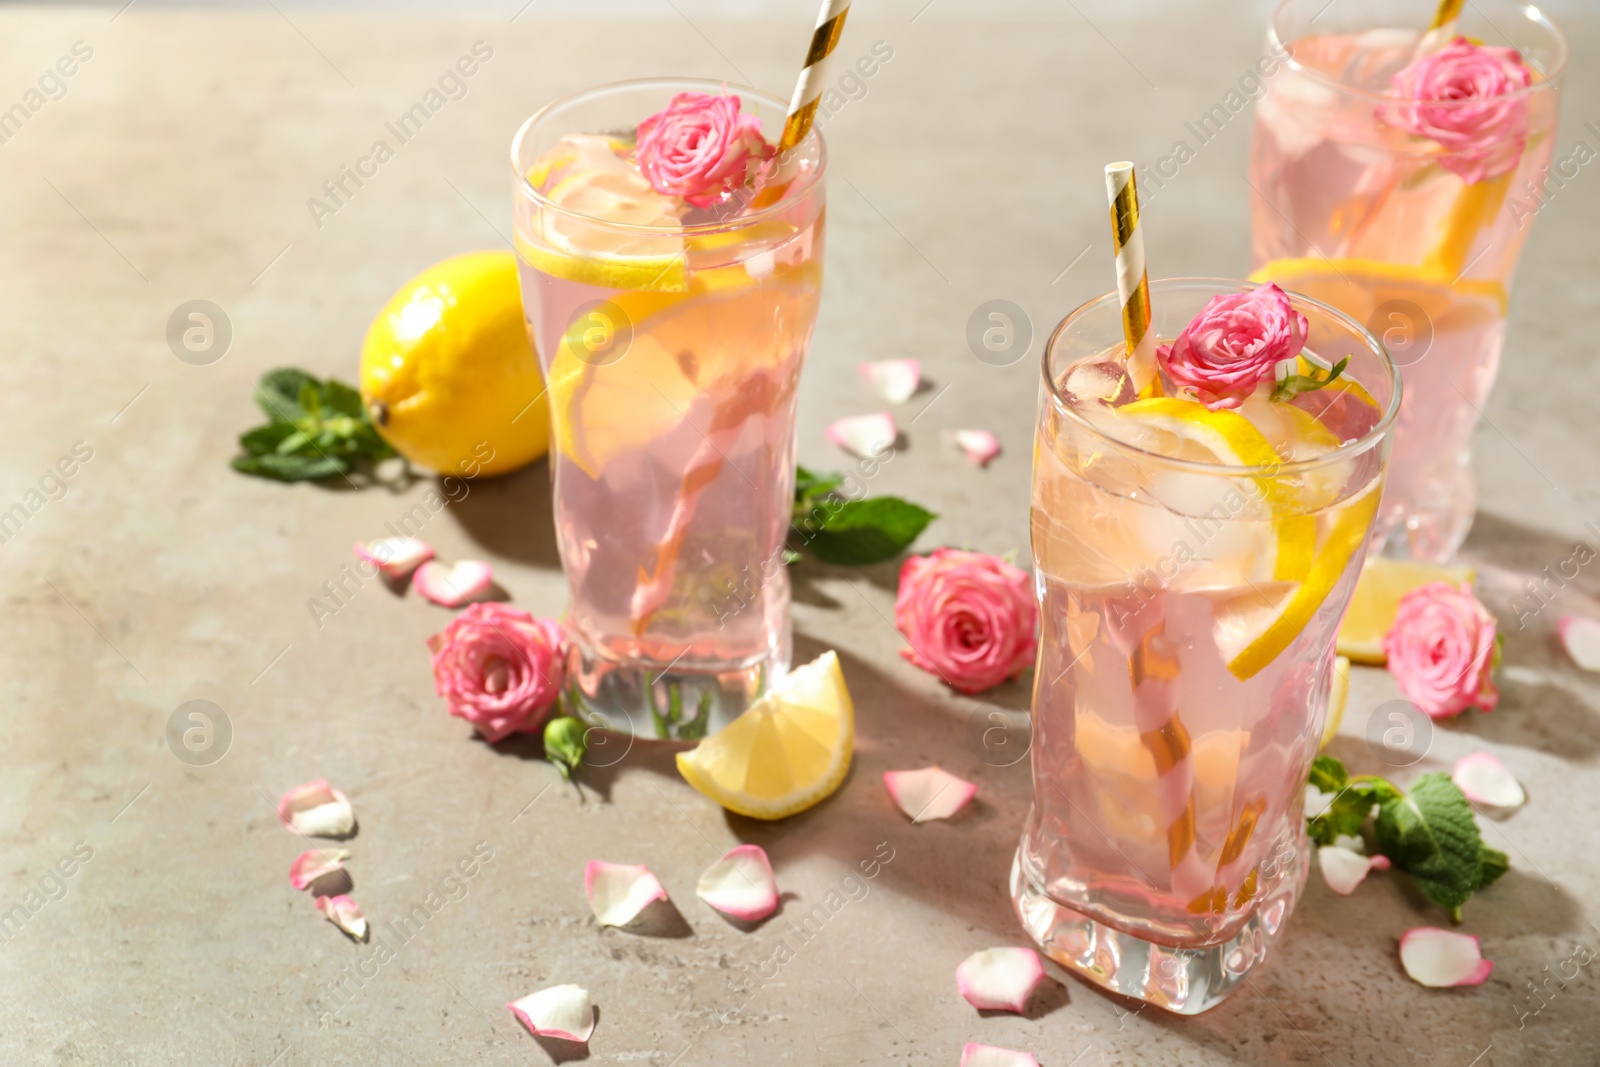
(851, 532)
(316, 429)
(1429, 833)
(1295, 384)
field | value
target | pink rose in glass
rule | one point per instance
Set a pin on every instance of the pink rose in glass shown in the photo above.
(699, 146)
(970, 618)
(499, 668)
(1234, 344)
(1441, 649)
(1466, 97)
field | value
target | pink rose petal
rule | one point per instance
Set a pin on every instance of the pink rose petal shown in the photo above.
(930, 793)
(980, 445)
(1443, 958)
(314, 865)
(1000, 979)
(562, 1011)
(1344, 869)
(896, 380)
(741, 884)
(618, 892)
(976, 1055)
(453, 585)
(1483, 779)
(1581, 638)
(864, 435)
(317, 809)
(344, 913)
(396, 557)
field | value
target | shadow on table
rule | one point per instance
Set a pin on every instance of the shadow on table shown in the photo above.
(512, 516)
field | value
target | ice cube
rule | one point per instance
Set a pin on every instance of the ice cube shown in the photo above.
(1106, 381)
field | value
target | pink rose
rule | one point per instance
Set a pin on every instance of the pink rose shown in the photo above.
(698, 146)
(1234, 344)
(1441, 649)
(499, 668)
(970, 618)
(1465, 97)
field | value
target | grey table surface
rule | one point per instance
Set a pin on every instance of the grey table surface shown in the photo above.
(177, 165)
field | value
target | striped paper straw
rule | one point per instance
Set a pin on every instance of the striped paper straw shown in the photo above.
(1442, 30)
(1449, 11)
(1133, 281)
(824, 39)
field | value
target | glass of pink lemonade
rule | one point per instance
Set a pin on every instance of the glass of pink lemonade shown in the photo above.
(671, 331)
(1396, 179)
(1192, 565)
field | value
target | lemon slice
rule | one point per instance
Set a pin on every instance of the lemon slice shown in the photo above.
(1377, 597)
(589, 176)
(1338, 697)
(787, 753)
(1359, 287)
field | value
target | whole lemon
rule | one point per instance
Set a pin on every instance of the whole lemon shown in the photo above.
(448, 373)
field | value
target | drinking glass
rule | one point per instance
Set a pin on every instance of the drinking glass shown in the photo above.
(1188, 615)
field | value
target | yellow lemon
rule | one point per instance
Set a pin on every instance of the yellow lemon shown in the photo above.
(448, 373)
(788, 752)
(1338, 697)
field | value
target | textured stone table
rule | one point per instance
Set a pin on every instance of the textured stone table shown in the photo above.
(176, 163)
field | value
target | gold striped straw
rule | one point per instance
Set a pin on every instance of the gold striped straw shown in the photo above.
(1442, 30)
(1133, 281)
(813, 76)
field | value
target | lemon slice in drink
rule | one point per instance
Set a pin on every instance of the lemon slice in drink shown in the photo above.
(1338, 697)
(1360, 287)
(789, 751)
(1377, 598)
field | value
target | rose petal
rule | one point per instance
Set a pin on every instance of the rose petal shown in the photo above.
(1443, 958)
(316, 864)
(930, 793)
(980, 445)
(740, 884)
(864, 435)
(562, 1011)
(976, 1055)
(1482, 778)
(618, 892)
(1581, 638)
(1344, 869)
(1000, 979)
(896, 380)
(453, 585)
(396, 557)
(317, 809)
(344, 913)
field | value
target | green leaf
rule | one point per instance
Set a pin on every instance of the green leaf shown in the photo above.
(265, 439)
(1328, 774)
(1495, 863)
(1431, 835)
(290, 468)
(341, 398)
(1295, 384)
(862, 532)
(318, 429)
(810, 484)
(278, 393)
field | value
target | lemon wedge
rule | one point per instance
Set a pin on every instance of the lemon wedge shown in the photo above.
(1338, 696)
(789, 751)
(1377, 597)
(1359, 287)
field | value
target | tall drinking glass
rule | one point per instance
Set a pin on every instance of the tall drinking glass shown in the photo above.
(671, 336)
(1409, 215)
(1188, 607)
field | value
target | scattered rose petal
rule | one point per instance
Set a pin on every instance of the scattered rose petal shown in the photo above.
(1344, 869)
(1581, 638)
(980, 445)
(864, 435)
(562, 1011)
(317, 809)
(618, 892)
(931, 793)
(315, 864)
(896, 380)
(1443, 958)
(1483, 779)
(453, 585)
(396, 557)
(741, 884)
(1000, 979)
(344, 913)
(976, 1055)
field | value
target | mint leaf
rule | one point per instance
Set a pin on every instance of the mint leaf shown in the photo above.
(1431, 835)
(266, 439)
(317, 430)
(1495, 863)
(1295, 384)
(290, 468)
(1328, 774)
(809, 486)
(278, 393)
(863, 532)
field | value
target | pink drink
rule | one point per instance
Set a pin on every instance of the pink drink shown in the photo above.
(1189, 608)
(1417, 243)
(672, 339)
